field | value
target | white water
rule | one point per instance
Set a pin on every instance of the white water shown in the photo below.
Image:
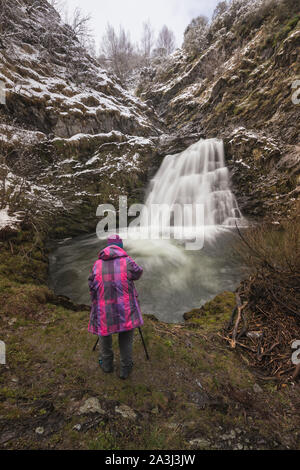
(196, 177)
(175, 280)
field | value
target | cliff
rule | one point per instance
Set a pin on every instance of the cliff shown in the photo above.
(70, 138)
(64, 123)
(241, 85)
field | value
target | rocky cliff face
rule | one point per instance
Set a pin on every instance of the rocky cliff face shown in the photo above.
(65, 123)
(240, 87)
(71, 137)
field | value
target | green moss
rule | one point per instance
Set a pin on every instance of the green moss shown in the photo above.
(285, 30)
(104, 441)
(6, 393)
(25, 300)
(23, 258)
(214, 313)
(246, 106)
(225, 107)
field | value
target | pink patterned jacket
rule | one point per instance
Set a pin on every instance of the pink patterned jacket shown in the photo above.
(115, 306)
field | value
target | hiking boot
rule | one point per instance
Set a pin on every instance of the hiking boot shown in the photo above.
(107, 368)
(125, 372)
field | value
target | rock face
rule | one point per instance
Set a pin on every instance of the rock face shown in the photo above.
(64, 122)
(242, 87)
(54, 86)
(72, 138)
(264, 173)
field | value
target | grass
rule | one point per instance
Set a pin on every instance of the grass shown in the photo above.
(52, 360)
(51, 371)
(285, 30)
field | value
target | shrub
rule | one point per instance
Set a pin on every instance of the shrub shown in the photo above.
(195, 36)
(272, 252)
(268, 302)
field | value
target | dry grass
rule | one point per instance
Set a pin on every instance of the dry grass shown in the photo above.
(273, 255)
(269, 298)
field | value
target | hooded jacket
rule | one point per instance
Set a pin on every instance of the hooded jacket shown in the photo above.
(115, 307)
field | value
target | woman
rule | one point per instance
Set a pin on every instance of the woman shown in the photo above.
(115, 306)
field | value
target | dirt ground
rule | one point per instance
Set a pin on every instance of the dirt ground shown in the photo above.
(194, 393)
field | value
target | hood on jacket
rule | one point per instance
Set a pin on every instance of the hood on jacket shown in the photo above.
(112, 252)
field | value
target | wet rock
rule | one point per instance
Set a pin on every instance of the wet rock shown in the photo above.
(91, 405)
(261, 169)
(126, 412)
(176, 143)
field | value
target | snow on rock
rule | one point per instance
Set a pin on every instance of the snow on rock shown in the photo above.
(67, 123)
(9, 222)
(66, 92)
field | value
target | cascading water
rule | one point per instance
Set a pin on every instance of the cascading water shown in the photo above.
(175, 280)
(197, 176)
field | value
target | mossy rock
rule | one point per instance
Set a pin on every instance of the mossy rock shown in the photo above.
(285, 30)
(213, 313)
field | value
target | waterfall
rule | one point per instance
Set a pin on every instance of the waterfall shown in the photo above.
(197, 176)
(180, 272)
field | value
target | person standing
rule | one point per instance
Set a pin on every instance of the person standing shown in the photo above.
(115, 306)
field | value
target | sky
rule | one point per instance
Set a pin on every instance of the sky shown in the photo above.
(176, 14)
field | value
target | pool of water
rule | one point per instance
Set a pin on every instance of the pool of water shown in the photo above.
(174, 281)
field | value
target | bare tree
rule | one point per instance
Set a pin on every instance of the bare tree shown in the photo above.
(195, 35)
(147, 41)
(80, 24)
(166, 40)
(220, 9)
(57, 4)
(118, 50)
(91, 47)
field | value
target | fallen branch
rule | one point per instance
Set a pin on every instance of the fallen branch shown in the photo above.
(240, 308)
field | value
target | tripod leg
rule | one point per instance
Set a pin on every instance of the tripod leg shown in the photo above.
(146, 352)
(94, 348)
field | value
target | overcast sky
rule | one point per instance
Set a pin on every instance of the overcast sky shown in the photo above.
(176, 14)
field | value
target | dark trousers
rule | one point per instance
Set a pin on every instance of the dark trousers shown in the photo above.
(125, 345)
